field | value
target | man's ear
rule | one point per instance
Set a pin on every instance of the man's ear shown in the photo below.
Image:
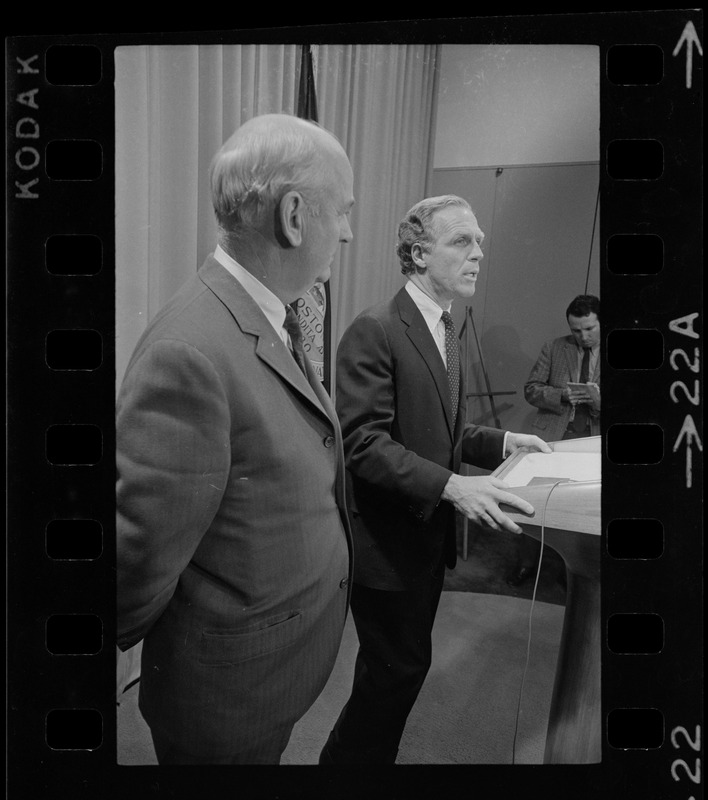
(417, 256)
(290, 219)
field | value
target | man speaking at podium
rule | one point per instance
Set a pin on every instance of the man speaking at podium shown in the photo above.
(402, 411)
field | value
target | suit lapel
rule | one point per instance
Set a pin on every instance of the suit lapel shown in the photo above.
(571, 355)
(319, 391)
(269, 346)
(421, 338)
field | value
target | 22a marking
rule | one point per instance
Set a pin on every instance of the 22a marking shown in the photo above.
(680, 765)
(688, 435)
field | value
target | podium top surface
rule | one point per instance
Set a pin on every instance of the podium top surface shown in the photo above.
(562, 486)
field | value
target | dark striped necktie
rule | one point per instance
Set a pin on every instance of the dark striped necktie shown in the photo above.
(292, 326)
(452, 349)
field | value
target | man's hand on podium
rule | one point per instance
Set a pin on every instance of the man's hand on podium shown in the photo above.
(478, 498)
(525, 441)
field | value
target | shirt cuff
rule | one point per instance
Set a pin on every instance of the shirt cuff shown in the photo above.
(504, 453)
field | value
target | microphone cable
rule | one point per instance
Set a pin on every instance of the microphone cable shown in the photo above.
(533, 600)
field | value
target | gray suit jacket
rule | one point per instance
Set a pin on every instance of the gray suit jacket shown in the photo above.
(233, 550)
(557, 364)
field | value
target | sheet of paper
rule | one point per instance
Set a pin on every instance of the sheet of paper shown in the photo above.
(555, 466)
(591, 388)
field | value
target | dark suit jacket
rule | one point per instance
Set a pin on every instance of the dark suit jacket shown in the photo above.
(557, 364)
(233, 550)
(393, 401)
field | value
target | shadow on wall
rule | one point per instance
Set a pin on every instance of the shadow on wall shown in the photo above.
(508, 367)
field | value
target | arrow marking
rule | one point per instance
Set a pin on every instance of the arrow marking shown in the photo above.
(688, 429)
(689, 36)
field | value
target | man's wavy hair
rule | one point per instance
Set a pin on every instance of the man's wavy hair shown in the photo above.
(582, 305)
(418, 226)
(262, 161)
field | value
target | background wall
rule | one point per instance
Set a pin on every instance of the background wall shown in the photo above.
(518, 136)
(517, 104)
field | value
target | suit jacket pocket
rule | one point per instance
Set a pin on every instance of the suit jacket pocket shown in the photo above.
(221, 647)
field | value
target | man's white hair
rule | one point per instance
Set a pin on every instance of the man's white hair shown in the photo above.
(266, 157)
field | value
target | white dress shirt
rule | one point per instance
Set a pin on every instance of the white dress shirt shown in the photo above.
(432, 314)
(268, 303)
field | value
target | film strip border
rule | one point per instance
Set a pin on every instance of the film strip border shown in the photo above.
(61, 255)
(61, 477)
(651, 464)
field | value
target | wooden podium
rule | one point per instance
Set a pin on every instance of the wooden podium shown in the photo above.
(567, 508)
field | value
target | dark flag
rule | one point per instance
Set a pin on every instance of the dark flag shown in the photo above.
(313, 309)
(307, 98)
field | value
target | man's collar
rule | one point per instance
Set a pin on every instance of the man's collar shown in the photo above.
(269, 304)
(427, 306)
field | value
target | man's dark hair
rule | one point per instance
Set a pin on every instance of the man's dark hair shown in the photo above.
(582, 305)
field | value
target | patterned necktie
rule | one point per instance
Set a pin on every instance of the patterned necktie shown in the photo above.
(452, 349)
(582, 412)
(292, 326)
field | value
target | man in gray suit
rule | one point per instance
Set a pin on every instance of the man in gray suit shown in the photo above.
(233, 548)
(563, 412)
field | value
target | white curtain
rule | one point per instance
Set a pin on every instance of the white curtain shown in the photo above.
(379, 100)
(177, 104)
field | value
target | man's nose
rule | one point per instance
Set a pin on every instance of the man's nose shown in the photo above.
(476, 253)
(346, 234)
